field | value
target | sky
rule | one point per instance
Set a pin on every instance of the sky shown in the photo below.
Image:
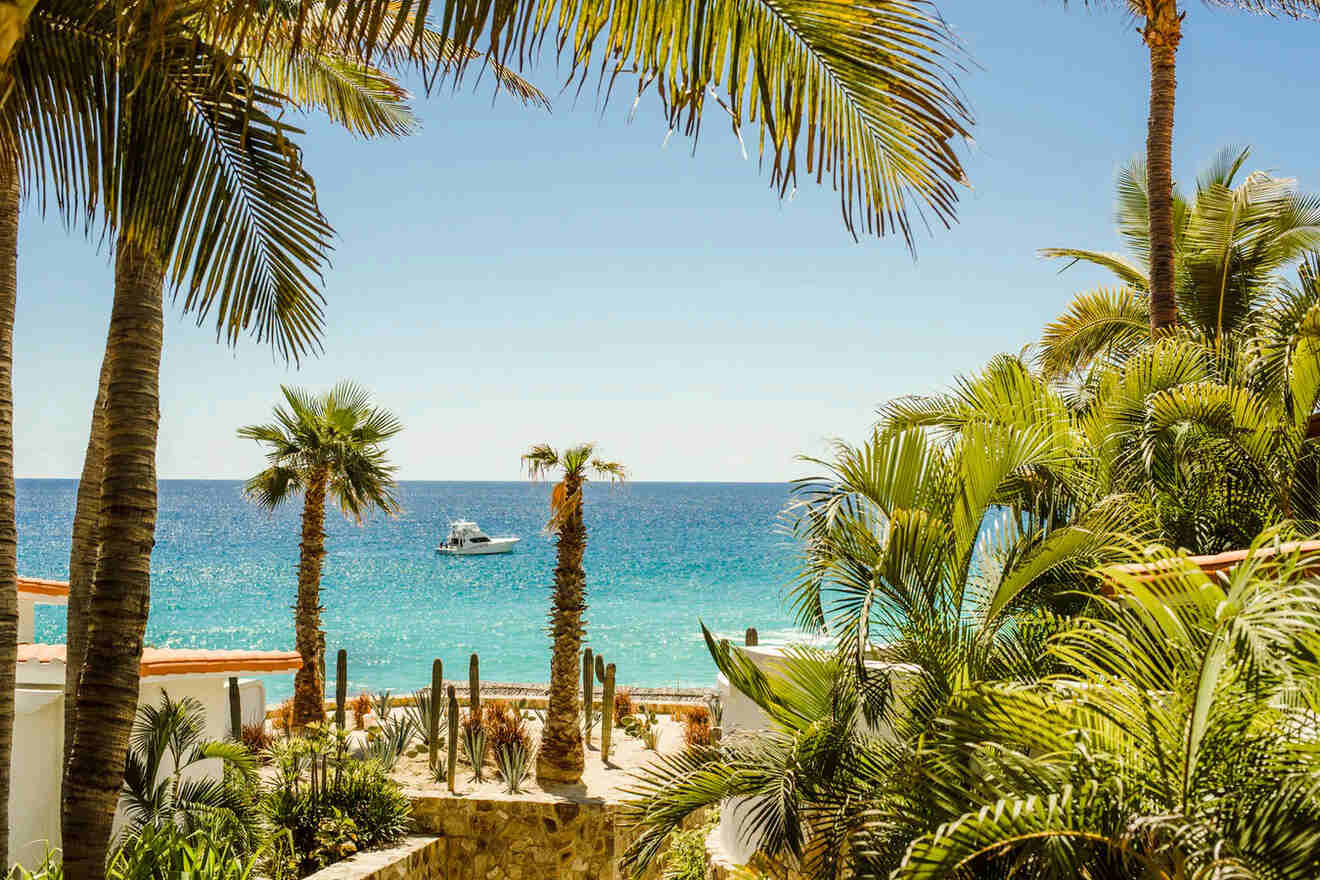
(509, 276)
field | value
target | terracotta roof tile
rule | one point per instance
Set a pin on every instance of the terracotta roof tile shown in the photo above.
(1155, 571)
(178, 661)
(43, 587)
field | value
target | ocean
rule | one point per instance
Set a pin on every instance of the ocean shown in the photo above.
(661, 557)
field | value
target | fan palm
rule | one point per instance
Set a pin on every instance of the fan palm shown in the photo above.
(173, 735)
(1177, 743)
(561, 757)
(323, 446)
(1161, 31)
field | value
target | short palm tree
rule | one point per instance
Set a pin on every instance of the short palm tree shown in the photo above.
(330, 445)
(561, 757)
(933, 548)
(1161, 31)
(1177, 742)
(169, 740)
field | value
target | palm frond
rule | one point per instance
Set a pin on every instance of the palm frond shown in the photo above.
(861, 93)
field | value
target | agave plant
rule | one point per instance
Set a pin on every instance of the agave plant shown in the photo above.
(418, 714)
(389, 743)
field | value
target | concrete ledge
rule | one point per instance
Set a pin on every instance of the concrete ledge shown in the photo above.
(417, 858)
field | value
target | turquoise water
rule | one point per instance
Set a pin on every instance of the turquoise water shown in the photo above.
(660, 557)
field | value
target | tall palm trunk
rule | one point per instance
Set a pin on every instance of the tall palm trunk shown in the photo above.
(561, 757)
(82, 556)
(121, 587)
(1162, 33)
(8, 526)
(309, 683)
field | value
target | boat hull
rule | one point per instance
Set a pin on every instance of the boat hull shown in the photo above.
(485, 548)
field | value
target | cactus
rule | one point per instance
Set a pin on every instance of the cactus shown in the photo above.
(235, 710)
(606, 714)
(600, 668)
(433, 722)
(453, 736)
(588, 692)
(474, 685)
(750, 638)
(341, 687)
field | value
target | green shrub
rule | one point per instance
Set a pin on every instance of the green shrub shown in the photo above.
(322, 802)
(50, 868)
(168, 852)
(685, 859)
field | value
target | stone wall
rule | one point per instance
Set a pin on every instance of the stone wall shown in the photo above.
(417, 858)
(524, 839)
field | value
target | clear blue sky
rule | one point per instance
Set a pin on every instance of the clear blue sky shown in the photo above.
(507, 277)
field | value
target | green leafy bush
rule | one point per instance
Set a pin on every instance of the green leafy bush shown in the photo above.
(323, 800)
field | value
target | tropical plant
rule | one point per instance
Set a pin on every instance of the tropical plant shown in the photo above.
(257, 739)
(644, 726)
(561, 757)
(696, 726)
(1232, 239)
(319, 787)
(167, 852)
(226, 210)
(162, 787)
(323, 446)
(201, 184)
(50, 867)
(1161, 31)
(1177, 741)
(802, 786)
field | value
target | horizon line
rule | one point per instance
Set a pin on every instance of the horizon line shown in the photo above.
(438, 480)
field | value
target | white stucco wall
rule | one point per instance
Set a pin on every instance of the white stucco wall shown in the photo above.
(741, 713)
(27, 619)
(34, 801)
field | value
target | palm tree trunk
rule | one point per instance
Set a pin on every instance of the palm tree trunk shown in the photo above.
(8, 526)
(82, 556)
(309, 682)
(561, 756)
(121, 587)
(1162, 33)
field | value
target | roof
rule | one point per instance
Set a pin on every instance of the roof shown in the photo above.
(40, 588)
(1155, 571)
(182, 661)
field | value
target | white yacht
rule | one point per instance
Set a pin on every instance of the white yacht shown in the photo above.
(465, 539)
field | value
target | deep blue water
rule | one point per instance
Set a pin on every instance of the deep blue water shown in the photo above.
(660, 557)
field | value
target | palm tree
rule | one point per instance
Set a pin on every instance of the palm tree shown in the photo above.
(241, 228)
(1232, 238)
(934, 547)
(249, 237)
(1175, 743)
(327, 445)
(561, 758)
(168, 740)
(1161, 31)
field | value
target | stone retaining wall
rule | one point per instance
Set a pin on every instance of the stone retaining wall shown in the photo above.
(417, 858)
(523, 839)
